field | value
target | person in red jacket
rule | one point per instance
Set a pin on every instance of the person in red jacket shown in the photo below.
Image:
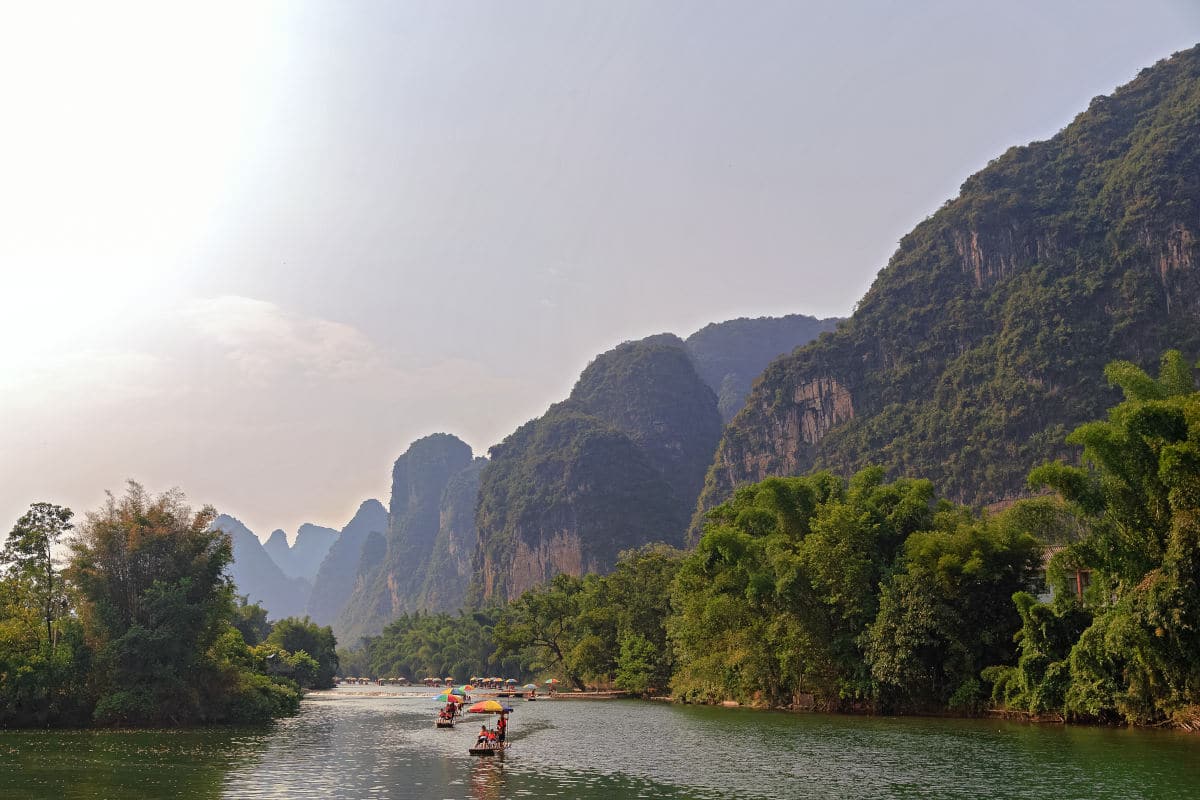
(502, 727)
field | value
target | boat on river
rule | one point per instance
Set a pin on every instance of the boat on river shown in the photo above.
(444, 723)
(489, 749)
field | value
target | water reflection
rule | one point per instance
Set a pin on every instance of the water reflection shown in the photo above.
(361, 744)
(487, 779)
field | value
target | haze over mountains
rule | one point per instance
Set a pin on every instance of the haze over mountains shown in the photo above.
(633, 442)
(979, 346)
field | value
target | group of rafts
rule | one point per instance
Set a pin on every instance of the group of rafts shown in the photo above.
(490, 741)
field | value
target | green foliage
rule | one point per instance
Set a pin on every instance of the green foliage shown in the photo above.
(542, 626)
(153, 642)
(417, 646)
(251, 621)
(1130, 649)
(303, 637)
(854, 592)
(944, 613)
(43, 659)
(600, 629)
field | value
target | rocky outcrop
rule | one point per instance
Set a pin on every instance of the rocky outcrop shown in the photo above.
(449, 571)
(730, 355)
(257, 576)
(615, 466)
(394, 574)
(984, 339)
(334, 581)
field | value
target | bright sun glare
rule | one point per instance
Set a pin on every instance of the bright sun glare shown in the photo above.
(125, 125)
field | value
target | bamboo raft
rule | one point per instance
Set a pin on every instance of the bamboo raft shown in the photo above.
(488, 749)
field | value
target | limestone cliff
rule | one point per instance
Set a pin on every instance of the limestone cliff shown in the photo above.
(983, 340)
(449, 571)
(334, 581)
(393, 575)
(615, 466)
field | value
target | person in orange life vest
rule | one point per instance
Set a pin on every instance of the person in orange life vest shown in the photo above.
(502, 727)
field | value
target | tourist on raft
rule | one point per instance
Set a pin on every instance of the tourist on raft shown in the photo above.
(502, 728)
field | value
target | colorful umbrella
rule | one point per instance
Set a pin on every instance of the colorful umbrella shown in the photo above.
(511, 680)
(489, 707)
(552, 681)
(458, 692)
(447, 697)
(448, 678)
(466, 687)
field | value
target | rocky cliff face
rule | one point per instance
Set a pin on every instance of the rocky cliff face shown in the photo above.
(616, 465)
(394, 574)
(730, 355)
(984, 339)
(257, 576)
(449, 571)
(334, 581)
(650, 391)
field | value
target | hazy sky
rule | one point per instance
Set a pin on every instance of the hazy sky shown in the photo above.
(253, 250)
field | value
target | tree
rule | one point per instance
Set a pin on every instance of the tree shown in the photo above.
(945, 612)
(156, 605)
(303, 635)
(1139, 492)
(543, 623)
(30, 549)
(251, 620)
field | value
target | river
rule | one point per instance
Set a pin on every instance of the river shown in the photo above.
(357, 742)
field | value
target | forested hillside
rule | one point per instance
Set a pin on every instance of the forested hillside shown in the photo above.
(616, 465)
(730, 355)
(984, 339)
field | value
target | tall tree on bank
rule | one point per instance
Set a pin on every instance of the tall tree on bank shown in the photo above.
(1129, 649)
(156, 607)
(30, 551)
(43, 660)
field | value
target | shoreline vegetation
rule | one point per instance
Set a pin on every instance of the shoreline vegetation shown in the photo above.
(141, 627)
(861, 596)
(846, 595)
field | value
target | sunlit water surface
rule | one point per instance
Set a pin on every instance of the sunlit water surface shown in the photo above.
(361, 742)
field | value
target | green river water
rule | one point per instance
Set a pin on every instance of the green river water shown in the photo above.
(359, 743)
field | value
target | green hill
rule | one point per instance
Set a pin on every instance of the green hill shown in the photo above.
(616, 465)
(984, 339)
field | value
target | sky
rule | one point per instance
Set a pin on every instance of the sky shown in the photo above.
(253, 250)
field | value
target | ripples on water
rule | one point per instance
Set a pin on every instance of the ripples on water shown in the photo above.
(358, 743)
